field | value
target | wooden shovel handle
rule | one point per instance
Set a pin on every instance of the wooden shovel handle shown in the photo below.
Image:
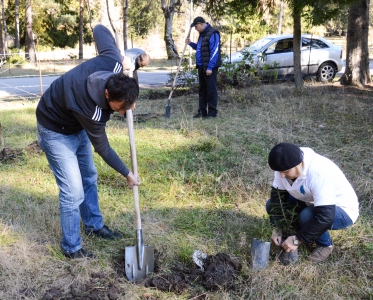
(135, 188)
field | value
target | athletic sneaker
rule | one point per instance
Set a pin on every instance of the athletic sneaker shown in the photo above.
(320, 254)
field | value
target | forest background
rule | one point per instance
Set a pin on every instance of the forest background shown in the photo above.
(155, 26)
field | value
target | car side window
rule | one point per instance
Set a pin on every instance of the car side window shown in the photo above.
(315, 44)
(271, 49)
(285, 45)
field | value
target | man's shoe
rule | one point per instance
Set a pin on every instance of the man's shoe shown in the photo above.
(199, 115)
(320, 254)
(105, 233)
(211, 114)
(81, 253)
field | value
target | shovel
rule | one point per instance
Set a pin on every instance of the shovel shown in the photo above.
(139, 259)
(168, 106)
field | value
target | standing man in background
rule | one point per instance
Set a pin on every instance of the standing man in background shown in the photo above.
(135, 59)
(208, 61)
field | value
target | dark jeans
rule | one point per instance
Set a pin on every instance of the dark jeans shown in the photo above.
(306, 214)
(208, 92)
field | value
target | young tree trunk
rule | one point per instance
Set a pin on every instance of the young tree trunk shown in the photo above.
(30, 44)
(81, 27)
(296, 48)
(5, 28)
(16, 34)
(2, 50)
(279, 28)
(357, 57)
(109, 17)
(90, 15)
(125, 21)
(168, 12)
(1, 139)
(103, 13)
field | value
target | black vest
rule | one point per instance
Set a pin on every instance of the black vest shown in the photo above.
(205, 47)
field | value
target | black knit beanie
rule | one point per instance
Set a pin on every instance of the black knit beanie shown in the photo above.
(284, 156)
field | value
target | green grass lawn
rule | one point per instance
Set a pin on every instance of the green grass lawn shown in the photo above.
(204, 186)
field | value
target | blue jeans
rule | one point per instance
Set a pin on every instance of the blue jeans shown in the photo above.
(341, 220)
(71, 161)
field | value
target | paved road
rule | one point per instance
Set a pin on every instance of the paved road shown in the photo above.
(29, 87)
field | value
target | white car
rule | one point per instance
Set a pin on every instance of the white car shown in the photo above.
(320, 57)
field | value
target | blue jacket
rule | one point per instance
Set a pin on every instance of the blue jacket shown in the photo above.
(208, 57)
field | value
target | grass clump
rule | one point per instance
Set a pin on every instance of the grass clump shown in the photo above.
(204, 187)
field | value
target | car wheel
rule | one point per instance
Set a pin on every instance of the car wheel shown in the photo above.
(326, 72)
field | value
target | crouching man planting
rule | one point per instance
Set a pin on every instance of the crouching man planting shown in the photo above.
(314, 189)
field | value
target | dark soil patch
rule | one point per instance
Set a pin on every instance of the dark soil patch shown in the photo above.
(158, 94)
(13, 155)
(165, 93)
(137, 118)
(220, 272)
(99, 287)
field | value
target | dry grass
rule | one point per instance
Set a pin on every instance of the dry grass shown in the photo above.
(204, 186)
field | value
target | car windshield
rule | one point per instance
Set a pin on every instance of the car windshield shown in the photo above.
(256, 46)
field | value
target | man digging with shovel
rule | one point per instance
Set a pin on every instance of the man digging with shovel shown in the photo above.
(71, 117)
(314, 187)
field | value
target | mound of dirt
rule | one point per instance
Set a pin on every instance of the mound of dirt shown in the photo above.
(8, 154)
(220, 272)
(138, 117)
(164, 94)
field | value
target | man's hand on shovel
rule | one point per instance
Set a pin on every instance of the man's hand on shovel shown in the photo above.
(132, 180)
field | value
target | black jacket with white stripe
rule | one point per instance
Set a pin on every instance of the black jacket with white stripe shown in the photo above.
(71, 104)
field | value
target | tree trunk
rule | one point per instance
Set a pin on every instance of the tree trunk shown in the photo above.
(2, 50)
(357, 57)
(279, 28)
(125, 21)
(30, 44)
(169, 12)
(297, 31)
(109, 17)
(81, 27)
(2, 145)
(5, 28)
(16, 31)
(103, 13)
(90, 15)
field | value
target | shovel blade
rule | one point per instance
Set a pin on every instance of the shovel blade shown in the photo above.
(136, 269)
(168, 110)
